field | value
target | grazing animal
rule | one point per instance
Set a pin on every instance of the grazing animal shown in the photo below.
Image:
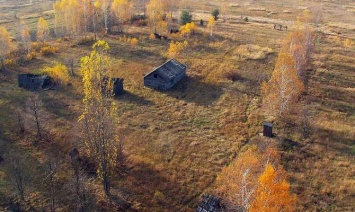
(157, 36)
(174, 31)
(279, 27)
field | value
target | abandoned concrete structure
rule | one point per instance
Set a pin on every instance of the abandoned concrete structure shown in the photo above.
(34, 82)
(165, 76)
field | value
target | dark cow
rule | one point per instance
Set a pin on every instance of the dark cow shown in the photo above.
(174, 31)
(279, 27)
(157, 36)
(160, 37)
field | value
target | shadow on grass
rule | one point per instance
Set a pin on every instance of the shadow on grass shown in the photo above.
(134, 52)
(194, 90)
(129, 97)
(120, 203)
(155, 191)
(337, 105)
(334, 140)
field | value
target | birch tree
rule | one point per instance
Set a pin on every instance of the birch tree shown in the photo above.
(105, 6)
(17, 173)
(85, 6)
(273, 192)
(26, 40)
(69, 17)
(155, 11)
(211, 24)
(284, 87)
(99, 116)
(238, 182)
(42, 30)
(123, 10)
(5, 45)
(34, 108)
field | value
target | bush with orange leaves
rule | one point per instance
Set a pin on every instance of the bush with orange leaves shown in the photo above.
(134, 42)
(151, 36)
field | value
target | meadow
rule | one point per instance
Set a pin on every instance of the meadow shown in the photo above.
(179, 140)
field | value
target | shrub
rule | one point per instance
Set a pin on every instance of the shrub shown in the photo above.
(48, 50)
(9, 62)
(137, 18)
(232, 75)
(31, 56)
(128, 40)
(152, 36)
(246, 19)
(254, 52)
(185, 17)
(87, 40)
(348, 43)
(59, 73)
(215, 14)
(159, 197)
(141, 23)
(189, 28)
(36, 46)
(141, 38)
(134, 42)
(175, 48)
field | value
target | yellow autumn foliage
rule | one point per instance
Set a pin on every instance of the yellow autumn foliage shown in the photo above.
(134, 42)
(284, 87)
(188, 29)
(152, 36)
(5, 42)
(48, 50)
(59, 73)
(273, 192)
(348, 43)
(42, 30)
(175, 48)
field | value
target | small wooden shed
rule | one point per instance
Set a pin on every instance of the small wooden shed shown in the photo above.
(33, 82)
(267, 129)
(165, 76)
(209, 203)
(74, 154)
(118, 86)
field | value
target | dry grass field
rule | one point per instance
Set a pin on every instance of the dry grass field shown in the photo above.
(179, 140)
